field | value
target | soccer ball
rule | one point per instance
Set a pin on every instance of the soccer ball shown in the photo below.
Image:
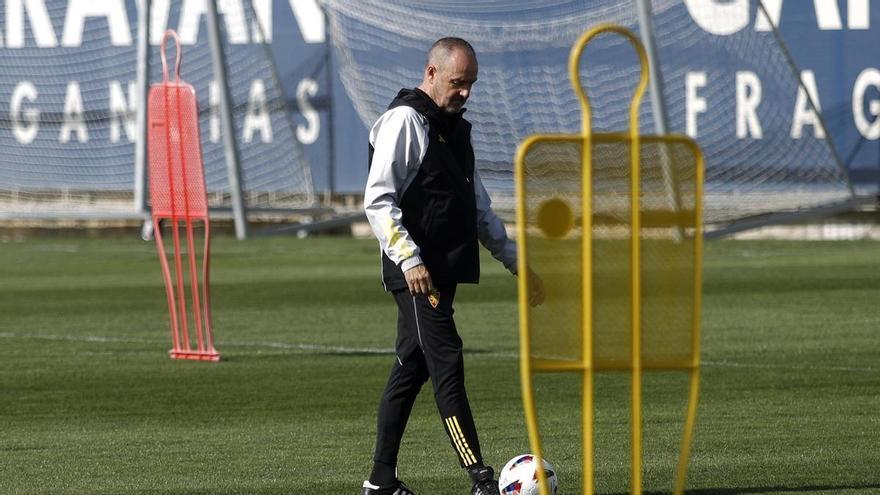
(519, 476)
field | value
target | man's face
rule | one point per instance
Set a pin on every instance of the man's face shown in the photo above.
(451, 80)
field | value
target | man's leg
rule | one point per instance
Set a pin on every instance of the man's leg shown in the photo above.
(408, 375)
(442, 349)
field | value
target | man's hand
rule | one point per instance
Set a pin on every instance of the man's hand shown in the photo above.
(536, 288)
(419, 280)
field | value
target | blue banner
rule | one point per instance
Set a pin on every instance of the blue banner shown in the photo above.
(70, 65)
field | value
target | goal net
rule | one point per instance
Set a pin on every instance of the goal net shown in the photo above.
(735, 94)
(67, 144)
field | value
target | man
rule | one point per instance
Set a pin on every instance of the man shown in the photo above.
(427, 207)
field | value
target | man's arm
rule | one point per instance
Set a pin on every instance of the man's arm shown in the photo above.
(493, 236)
(399, 141)
(491, 230)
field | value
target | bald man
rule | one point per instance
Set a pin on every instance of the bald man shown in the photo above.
(428, 209)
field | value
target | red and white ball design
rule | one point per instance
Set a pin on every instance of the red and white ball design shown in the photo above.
(519, 476)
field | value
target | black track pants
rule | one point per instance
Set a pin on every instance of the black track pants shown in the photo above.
(428, 346)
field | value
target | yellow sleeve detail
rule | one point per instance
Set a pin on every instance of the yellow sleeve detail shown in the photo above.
(396, 239)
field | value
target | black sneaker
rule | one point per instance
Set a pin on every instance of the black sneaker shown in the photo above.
(484, 481)
(397, 489)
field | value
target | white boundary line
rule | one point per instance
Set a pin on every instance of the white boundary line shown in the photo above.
(320, 348)
(134, 340)
(730, 364)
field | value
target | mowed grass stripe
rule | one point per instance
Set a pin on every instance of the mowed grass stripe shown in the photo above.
(789, 398)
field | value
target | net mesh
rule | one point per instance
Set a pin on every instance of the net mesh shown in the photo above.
(524, 89)
(68, 143)
(177, 182)
(668, 250)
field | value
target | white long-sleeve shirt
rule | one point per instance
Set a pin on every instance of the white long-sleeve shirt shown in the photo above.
(400, 141)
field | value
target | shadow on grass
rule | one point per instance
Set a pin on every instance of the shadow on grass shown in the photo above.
(771, 489)
(321, 488)
(338, 489)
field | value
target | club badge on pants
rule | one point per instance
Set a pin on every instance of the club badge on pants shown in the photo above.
(434, 298)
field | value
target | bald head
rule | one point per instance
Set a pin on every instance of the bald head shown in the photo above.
(450, 71)
(444, 48)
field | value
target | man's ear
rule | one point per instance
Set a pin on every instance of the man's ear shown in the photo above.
(430, 71)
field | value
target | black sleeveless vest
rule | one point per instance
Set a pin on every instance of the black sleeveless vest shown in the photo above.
(439, 207)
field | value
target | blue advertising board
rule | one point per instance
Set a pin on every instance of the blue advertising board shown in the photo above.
(48, 95)
(830, 41)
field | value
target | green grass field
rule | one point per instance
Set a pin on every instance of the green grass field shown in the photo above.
(91, 403)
